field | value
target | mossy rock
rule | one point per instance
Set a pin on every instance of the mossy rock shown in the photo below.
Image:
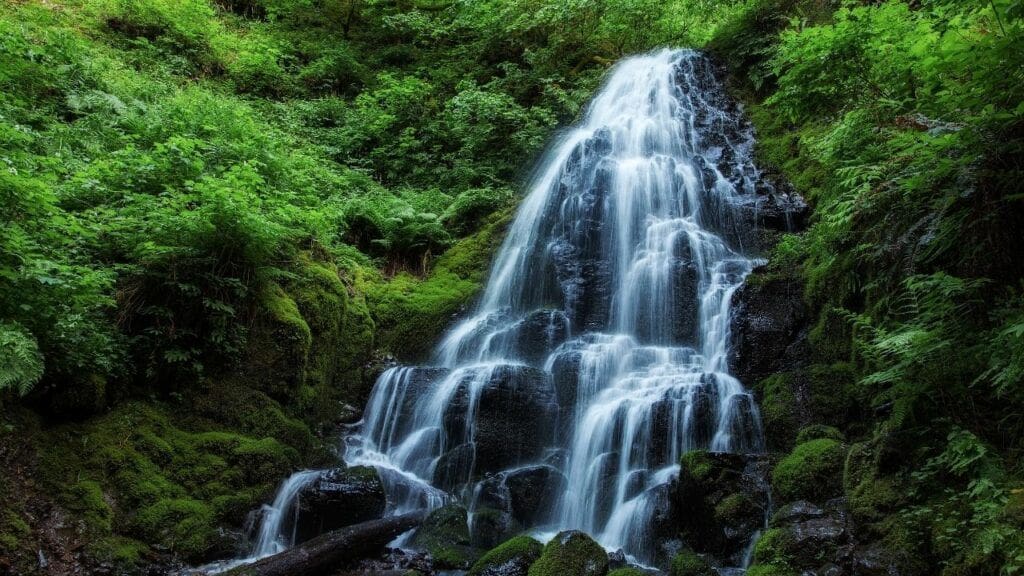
(512, 558)
(737, 508)
(778, 405)
(142, 473)
(774, 547)
(445, 535)
(818, 431)
(771, 570)
(870, 495)
(571, 553)
(689, 563)
(812, 471)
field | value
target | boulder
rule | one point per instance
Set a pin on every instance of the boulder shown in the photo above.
(339, 497)
(812, 471)
(515, 414)
(534, 337)
(571, 553)
(512, 558)
(445, 535)
(718, 504)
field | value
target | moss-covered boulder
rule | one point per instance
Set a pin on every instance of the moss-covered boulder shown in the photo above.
(719, 502)
(812, 471)
(818, 431)
(512, 558)
(445, 535)
(571, 553)
(689, 563)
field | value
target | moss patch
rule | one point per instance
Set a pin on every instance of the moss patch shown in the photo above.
(571, 553)
(412, 312)
(445, 535)
(139, 474)
(522, 550)
(812, 471)
(688, 563)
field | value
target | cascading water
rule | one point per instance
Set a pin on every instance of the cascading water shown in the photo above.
(598, 351)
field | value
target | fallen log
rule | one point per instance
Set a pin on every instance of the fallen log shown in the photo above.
(333, 550)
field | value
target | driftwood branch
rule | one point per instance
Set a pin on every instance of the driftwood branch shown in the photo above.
(332, 550)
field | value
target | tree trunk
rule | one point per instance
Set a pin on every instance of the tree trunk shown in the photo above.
(333, 550)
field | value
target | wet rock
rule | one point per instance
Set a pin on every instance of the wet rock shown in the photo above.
(338, 498)
(796, 512)
(515, 420)
(571, 553)
(534, 337)
(718, 503)
(445, 535)
(616, 559)
(807, 539)
(874, 561)
(533, 491)
(768, 316)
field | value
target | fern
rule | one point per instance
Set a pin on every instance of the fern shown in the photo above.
(21, 363)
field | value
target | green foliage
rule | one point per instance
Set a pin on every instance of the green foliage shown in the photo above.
(897, 120)
(22, 364)
(812, 471)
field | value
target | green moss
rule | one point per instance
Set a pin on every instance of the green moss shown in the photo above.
(832, 394)
(571, 554)
(181, 524)
(688, 563)
(139, 474)
(734, 508)
(817, 431)
(771, 570)
(777, 408)
(697, 465)
(445, 535)
(774, 547)
(411, 312)
(812, 471)
(871, 496)
(86, 499)
(13, 530)
(519, 547)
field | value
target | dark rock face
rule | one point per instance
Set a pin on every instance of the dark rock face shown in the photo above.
(514, 422)
(526, 495)
(535, 336)
(808, 539)
(718, 502)
(768, 318)
(445, 535)
(340, 497)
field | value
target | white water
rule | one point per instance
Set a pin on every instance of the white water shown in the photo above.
(615, 280)
(277, 523)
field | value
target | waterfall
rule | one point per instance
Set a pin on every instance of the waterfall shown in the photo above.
(599, 347)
